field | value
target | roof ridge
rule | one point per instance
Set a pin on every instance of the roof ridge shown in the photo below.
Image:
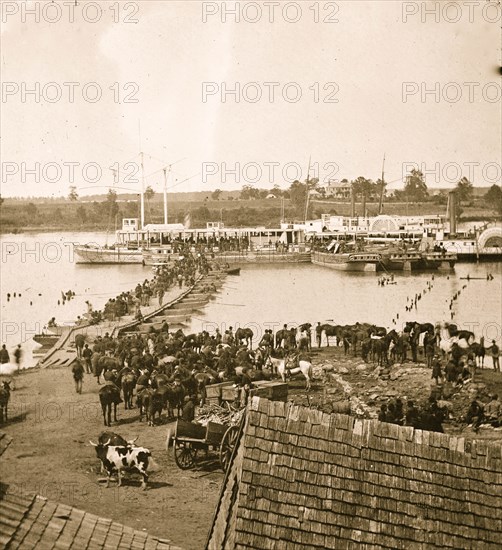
(367, 427)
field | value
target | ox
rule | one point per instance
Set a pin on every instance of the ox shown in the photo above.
(114, 439)
(123, 457)
(111, 438)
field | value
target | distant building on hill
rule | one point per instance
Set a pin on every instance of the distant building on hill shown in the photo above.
(340, 190)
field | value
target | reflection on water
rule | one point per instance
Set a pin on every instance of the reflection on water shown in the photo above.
(266, 297)
(40, 266)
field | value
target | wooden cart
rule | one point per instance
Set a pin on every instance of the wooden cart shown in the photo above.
(191, 440)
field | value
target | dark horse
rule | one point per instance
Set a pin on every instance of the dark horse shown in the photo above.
(128, 385)
(245, 334)
(109, 395)
(379, 349)
(330, 330)
(479, 351)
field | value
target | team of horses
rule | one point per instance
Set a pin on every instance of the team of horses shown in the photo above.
(383, 347)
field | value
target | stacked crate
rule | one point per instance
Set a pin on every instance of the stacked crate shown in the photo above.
(214, 392)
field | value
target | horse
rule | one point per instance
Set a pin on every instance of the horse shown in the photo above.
(305, 367)
(128, 385)
(79, 344)
(330, 330)
(281, 335)
(379, 347)
(418, 327)
(175, 397)
(307, 329)
(109, 395)
(479, 351)
(194, 342)
(245, 334)
(466, 335)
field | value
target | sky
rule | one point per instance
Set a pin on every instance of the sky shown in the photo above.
(341, 84)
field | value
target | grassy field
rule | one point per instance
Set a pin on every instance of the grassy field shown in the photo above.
(63, 215)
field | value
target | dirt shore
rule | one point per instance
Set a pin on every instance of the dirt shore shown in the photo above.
(51, 425)
(50, 455)
(341, 378)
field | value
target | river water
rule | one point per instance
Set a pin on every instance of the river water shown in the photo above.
(40, 266)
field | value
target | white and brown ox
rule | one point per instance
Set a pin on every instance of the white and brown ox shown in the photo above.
(280, 366)
(123, 457)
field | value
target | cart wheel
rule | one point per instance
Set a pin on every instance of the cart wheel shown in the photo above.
(184, 455)
(227, 446)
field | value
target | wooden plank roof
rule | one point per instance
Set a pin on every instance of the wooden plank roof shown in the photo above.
(303, 479)
(32, 521)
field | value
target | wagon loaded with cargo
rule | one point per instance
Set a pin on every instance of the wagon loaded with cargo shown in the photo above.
(218, 423)
(193, 442)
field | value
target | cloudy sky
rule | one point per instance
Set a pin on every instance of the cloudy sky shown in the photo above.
(342, 83)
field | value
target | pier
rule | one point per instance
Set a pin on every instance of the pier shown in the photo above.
(174, 310)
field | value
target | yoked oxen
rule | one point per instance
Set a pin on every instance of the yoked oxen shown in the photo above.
(123, 457)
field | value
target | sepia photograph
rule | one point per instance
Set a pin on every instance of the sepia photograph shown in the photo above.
(251, 274)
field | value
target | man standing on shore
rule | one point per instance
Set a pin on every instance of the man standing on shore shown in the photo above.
(86, 355)
(78, 375)
(4, 355)
(18, 353)
(495, 356)
(318, 334)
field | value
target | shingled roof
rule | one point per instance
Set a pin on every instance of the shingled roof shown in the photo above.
(302, 479)
(35, 522)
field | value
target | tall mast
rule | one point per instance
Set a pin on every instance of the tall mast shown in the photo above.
(380, 204)
(165, 196)
(142, 192)
(308, 193)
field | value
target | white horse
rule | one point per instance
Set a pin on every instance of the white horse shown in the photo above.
(279, 365)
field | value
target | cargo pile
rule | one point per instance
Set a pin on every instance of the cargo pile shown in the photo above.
(219, 415)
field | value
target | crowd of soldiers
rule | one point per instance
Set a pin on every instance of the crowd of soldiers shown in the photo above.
(181, 272)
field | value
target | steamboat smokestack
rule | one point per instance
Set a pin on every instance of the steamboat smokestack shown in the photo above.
(452, 203)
